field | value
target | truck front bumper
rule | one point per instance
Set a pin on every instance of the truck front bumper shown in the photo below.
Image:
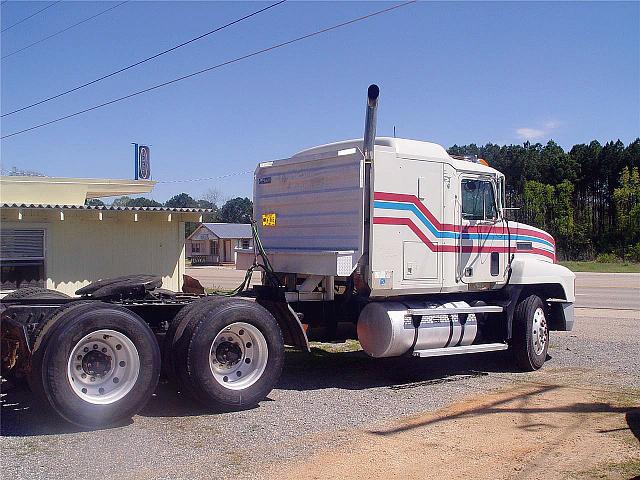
(562, 315)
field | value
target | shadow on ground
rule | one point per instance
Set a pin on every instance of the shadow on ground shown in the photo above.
(500, 406)
(22, 415)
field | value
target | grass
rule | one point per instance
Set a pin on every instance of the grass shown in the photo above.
(622, 470)
(621, 267)
(346, 346)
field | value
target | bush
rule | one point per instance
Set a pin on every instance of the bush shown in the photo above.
(607, 258)
(633, 253)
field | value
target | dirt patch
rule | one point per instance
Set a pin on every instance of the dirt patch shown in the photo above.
(531, 430)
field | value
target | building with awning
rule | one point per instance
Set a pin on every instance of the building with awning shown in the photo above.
(50, 238)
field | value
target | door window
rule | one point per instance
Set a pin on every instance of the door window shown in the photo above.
(478, 200)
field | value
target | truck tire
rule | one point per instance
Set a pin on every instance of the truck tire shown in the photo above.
(34, 293)
(230, 355)
(95, 363)
(174, 335)
(530, 334)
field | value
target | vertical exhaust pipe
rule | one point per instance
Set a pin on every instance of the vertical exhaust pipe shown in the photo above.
(373, 92)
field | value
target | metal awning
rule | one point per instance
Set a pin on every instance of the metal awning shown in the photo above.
(104, 208)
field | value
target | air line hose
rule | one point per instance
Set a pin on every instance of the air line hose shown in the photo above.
(256, 265)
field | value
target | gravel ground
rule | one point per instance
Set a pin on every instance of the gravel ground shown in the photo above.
(318, 400)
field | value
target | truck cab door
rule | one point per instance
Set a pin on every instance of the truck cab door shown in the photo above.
(482, 241)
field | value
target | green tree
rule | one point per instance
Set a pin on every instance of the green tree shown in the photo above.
(143, 202)
(538, 203)
(562, 223)
(236, 210)
(627, 201)
(182, 200)
(121, 201)
(587, 218)
(94, 202)
(208, 216)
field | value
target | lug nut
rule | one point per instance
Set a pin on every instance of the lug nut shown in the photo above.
(95, 346)
(104, 350)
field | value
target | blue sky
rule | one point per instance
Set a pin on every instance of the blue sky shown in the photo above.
(448, 72)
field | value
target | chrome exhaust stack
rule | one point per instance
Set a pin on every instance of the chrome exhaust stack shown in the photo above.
(373, 92)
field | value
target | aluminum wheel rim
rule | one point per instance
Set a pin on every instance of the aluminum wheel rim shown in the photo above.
(539, 331)
(238, 356)
(103, 367)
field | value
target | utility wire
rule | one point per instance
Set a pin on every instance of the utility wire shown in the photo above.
(235, 174)
(62, 31)
(30, 16)
(214, 67)
(133, 64)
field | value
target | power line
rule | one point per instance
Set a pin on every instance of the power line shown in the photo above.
(30, 16)
(63, 30)
(228, 62)
(235, 174)
(139, 62)
(214, 67)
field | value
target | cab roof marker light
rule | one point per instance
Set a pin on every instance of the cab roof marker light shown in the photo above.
(265, 164)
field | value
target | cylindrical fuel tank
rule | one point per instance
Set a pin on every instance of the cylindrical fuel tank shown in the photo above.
(385, 329)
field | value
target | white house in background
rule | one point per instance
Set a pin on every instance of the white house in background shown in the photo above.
(215, 243)
(49, 238)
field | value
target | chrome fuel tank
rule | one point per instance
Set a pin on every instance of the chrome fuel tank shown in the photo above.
(385, 329)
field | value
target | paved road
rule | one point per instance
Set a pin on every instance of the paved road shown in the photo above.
(320, 401)
(608, 290)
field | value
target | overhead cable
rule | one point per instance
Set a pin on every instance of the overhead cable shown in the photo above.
(62, 31)
(214, 67)
(140, 62)
(30, 16)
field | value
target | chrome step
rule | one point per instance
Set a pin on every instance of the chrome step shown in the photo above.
(454, 310)
(440, 352)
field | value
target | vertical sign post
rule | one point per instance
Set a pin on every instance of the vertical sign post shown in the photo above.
(135, 160)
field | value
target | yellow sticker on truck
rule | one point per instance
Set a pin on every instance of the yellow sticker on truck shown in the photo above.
(268, 219)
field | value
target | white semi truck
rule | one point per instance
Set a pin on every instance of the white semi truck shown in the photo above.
(396, 236)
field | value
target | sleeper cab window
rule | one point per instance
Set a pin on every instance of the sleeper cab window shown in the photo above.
(478, 200)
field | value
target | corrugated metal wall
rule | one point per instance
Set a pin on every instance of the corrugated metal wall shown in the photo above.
(81, 248)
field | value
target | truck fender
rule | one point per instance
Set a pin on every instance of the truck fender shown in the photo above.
(293, 332)
(532, 273)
